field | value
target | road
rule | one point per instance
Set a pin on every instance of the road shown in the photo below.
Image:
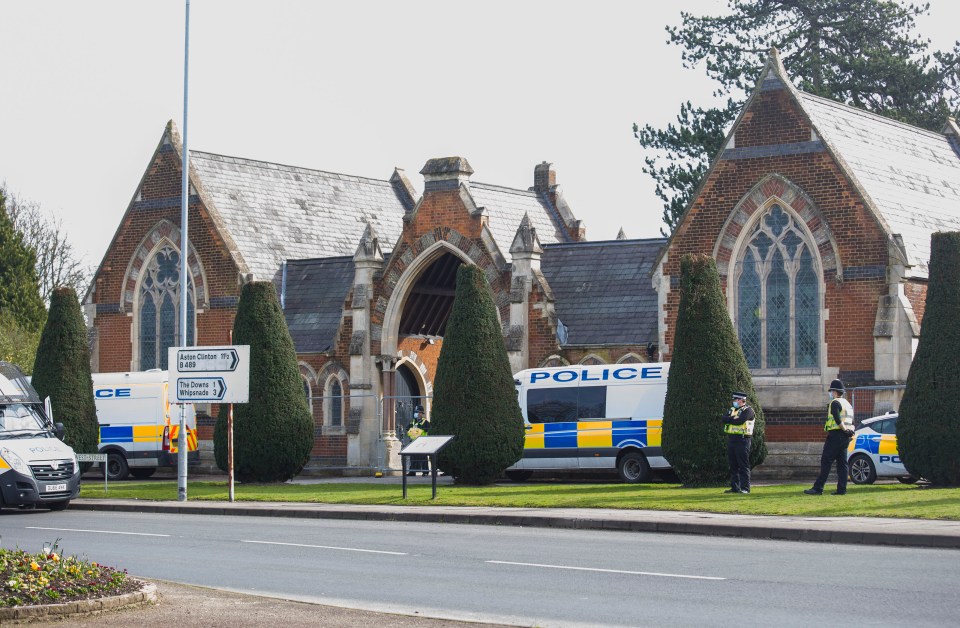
(524, 576)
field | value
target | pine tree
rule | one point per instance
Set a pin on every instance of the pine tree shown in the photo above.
(928, 430)
(61, 371)
(273, 433)
(474, 397)
(20, 298)
(707, 366)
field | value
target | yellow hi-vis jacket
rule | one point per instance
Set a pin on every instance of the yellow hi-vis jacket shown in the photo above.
(744, 429)
(846, 416)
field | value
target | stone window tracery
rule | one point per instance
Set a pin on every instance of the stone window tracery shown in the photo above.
(778, 295)
(159, 316)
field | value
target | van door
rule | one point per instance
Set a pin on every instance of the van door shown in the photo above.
(551, 434)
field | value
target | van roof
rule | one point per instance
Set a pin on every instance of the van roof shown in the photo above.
(153, 376)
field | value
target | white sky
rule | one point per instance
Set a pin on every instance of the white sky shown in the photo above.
(351, 87)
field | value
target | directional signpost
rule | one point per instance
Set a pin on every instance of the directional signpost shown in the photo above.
(209, 374)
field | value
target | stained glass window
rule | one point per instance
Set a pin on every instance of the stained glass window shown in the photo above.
(778, 295)
(336, 404)
(160, 308)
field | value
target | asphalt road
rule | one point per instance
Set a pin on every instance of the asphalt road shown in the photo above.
(511, 575)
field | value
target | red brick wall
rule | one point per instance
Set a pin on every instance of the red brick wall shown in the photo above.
(916, 292)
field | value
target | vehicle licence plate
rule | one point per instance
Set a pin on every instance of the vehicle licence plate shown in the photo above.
(53, 488)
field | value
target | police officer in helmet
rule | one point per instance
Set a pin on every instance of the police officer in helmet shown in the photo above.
(839, 429)
(738, 426)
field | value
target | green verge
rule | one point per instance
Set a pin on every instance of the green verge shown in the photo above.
(882, 500)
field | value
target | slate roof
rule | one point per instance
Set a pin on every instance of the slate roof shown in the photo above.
(506, 207)
(314, 300)
(911, 175)
(275, 212)
(603, 290)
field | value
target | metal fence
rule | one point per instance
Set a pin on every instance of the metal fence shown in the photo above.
(869, 401)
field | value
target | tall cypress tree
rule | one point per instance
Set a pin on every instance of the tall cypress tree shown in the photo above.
(20, 298)
(928, 430)
(273, 433)
(706, 367)
(474, 397)
(61, 371)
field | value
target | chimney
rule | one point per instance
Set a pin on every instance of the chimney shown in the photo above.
(445, 173)
(544, 178)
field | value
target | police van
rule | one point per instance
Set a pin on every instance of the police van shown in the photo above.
(139, 426)
(599, 417)
(36, 467)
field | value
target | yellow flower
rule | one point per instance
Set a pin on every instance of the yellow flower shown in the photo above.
(34, 566)
(54, 557)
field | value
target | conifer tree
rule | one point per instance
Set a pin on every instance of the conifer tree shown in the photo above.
(928, 430)
(707, 366)
(20, 299)
(273, 433)
(61, 371)
(474, 397)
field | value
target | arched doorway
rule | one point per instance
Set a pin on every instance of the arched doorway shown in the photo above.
(408, 397)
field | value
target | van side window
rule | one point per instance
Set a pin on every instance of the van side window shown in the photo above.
(592, 402)
(552, 405)
(557, 405)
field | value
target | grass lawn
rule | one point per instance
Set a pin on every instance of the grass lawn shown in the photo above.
(887, 500)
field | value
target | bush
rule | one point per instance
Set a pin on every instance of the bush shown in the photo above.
(61, 371)
(18, 345)
(474, 397)
(707, 365)
(928, 431)
(273, 433)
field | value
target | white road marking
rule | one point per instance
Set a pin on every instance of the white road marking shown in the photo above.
(330, 547)
(632, 573)
(96, 531)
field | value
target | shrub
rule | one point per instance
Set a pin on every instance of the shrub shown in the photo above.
(61, 371)
(928, 430)
(273, 433)
(707, 365)
(474, 397)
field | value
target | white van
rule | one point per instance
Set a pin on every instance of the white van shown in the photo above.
(138, 423)
(36, 467)
(607, 416)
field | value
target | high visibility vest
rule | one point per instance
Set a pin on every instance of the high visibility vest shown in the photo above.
(846, 416)
(415, 431)
(744, 429)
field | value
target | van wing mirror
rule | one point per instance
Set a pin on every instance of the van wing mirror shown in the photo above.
(48, 409)
(59, 430)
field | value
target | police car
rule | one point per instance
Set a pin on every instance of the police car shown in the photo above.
(873, 452)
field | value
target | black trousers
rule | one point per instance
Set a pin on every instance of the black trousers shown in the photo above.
(738, 455)
(834, 450)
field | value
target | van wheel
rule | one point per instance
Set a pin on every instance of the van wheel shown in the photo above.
(59, 505)
(142, 473)
(519, 476)
(633, 467)
(117, 468)
(862, 470)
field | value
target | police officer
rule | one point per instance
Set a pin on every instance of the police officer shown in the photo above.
(419, 426)
(839, 429)
(738, 426)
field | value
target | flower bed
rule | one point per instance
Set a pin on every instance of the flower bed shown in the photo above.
(49, 577)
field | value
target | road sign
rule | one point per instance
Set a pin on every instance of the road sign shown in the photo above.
(210, 374)
(91, 457)
(204, 360)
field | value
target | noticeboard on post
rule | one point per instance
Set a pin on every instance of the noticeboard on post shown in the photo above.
(210, 374)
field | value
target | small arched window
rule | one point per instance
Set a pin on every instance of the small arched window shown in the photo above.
(335, 402)
(778, 295)
(159, 298)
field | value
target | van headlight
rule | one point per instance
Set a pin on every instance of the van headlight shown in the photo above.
(16, 462)
(76, 463)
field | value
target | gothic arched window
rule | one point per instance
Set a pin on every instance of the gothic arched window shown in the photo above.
(335, 406)
(160, 308)
(778, 295)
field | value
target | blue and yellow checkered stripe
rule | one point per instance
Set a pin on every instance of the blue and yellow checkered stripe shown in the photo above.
(593, 434)
(877, 444)
(129, 434)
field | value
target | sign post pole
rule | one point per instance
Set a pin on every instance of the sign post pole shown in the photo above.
(230, 445)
